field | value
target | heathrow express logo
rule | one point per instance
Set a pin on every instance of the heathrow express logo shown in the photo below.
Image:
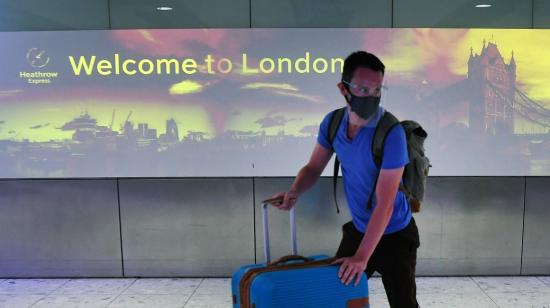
(38, 58)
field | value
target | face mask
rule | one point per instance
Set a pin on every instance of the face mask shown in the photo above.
(364, 107)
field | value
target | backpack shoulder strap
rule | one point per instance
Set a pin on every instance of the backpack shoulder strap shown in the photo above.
(384, 126)
(335, 120)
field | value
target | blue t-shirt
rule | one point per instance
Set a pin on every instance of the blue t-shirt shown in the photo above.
(359, 169)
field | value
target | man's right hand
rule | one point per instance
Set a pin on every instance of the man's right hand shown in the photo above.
(284, 200)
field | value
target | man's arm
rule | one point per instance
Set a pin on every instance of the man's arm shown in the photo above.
(307, 176)
(386, 191)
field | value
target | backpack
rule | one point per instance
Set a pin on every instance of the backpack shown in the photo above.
(415, 173)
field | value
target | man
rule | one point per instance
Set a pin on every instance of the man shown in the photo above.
(382, 237)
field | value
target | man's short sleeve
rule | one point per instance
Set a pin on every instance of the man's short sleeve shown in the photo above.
(322, 137)
(395, 151)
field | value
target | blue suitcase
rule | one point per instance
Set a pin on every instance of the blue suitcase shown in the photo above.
(294, 281)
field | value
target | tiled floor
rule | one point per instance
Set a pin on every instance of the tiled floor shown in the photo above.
(447, 292)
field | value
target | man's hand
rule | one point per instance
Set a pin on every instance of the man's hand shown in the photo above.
(351, 267)
(284, 200)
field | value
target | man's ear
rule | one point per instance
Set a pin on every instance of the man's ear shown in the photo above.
(343, 91)
(342, 88)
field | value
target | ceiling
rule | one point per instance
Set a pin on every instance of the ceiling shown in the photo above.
(37, 15)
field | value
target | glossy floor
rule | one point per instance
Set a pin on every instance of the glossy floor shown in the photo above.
(442, 292)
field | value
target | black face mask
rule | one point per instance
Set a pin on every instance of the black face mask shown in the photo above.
(364, 107)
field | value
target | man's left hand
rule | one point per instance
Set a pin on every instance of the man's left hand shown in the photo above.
(351, 267)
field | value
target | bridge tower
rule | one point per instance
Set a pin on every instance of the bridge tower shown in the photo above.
(490, 110)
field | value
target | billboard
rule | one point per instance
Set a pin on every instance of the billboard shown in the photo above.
(248, 102)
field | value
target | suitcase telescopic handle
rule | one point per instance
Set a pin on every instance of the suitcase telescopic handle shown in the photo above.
(265, 219)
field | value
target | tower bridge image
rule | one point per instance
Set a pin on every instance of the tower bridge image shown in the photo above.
(502, 121)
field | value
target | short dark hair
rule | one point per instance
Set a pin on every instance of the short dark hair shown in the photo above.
(361, 59)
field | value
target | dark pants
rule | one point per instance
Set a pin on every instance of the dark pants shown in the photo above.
(394, 258)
